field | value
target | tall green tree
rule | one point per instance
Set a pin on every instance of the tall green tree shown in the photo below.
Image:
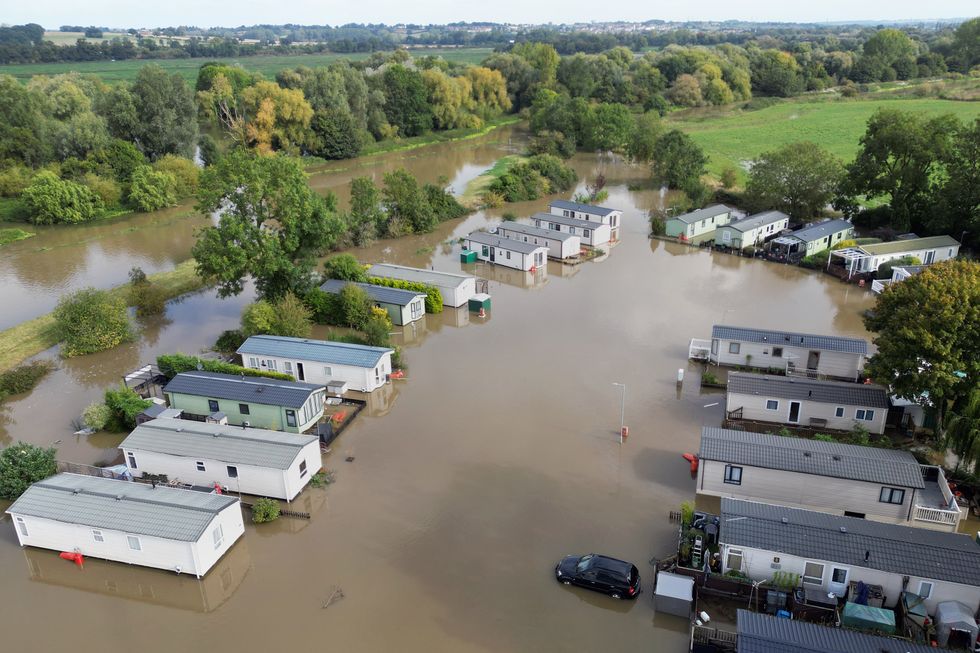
(927, 334)
(955, 195)
(962, 431)
(24, 128)
(678, 161)
(406, 104)
(799, 179)
(23, 464)
(365, 215)
(272, 225)
(776, 73)
(406, 207)
(52, 200)
(335, 134)
(165, 112)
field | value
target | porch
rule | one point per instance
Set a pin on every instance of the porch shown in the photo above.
(936, 504)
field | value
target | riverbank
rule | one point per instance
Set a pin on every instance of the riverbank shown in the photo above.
(437, 137)
(471, 196)
(30, 338)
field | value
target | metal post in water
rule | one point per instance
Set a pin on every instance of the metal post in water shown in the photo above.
(622, 412)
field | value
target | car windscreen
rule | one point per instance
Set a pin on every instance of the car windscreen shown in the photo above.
(584, 563)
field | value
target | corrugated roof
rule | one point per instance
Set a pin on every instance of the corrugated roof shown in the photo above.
(886, 466)
(520, 227)
(820, 230)
(790, 339)
(500, 242)
(758, 220)
(840, 393)
(321, 351)
(849, 541)
(431, 277)
(568, 222)
(703, 214)
(125, 506)
(231, 444)
(912, 245)
(249, 389)
(763, 633)
(585, 208)
(380, 294)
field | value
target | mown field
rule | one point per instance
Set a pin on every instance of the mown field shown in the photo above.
(735, 136)
(268, 65)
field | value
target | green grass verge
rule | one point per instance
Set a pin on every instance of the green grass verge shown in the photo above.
(436, 137)
(471, 195)
(732, 136)
(20, 342)
(268, 65)
(12, 235)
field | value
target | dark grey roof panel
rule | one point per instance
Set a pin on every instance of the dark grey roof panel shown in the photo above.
(851, 541)
(380, 294)
(584, 208)
(758, 220)
(790, 339)
(250, 389)
(841, 393)
(820, 230)
(493, 240)
(763, 633)
(886, 466)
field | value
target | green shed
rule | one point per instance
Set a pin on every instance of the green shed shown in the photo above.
(467, 256)
(867, 618)
(479, 301)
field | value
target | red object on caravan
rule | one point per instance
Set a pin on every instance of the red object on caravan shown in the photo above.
(77, 558)
(217, 488)
(693, 459)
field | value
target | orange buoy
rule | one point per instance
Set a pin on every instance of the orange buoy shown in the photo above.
(624, 433)
(72, 556)
(482, 312)
(339, 416)
(693, 459)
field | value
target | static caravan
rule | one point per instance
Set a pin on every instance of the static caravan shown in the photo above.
(592, 234)
(247, 400)
(702, 222)
(764, 633)
(456, 289)
(254, 461)
(322, 362)
(560, 245)
(800, 401)
(868, 258)
(811, 240)
(506, 252)
(179, 530)
(751, 231)
(586, 212)
(403, 306)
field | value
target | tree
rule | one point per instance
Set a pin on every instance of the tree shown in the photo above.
(406, 207)
(272, 225)
(521, 78)
(51, 200)
(275, 118)
(355, 306)
(542, 57)
(966, 44)
(186, 175)
(686, 91)
(888, 54)
(678, 161)
(90, 320)
(488, 90)
(344, 267)
(124, 406)
(144, 295)
(406, 104)
(24, 128)
(962, 431)
(165, 111)
(258, 318)
(646, 132)
(928, 335)
(799, 179)
(609, 128)
(776, 73)
(151, 190)
(553, 143)
(365, 214)
(335, 135)
(287, 316)
(955, 195)
(23, 464)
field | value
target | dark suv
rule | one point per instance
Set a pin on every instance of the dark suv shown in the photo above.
(618, 579)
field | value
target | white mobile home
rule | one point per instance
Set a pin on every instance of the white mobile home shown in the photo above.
(254, 461)
(868, 258)
(361, 367)
(506, 252)
(560, 245)
(699, 223)
(886, 485)
(593, 234)
(796, 353)
(840, 405)
(140, 524)
(403, 306)
(456, 289)
(586, 212)
(827, 552)
(751, 231)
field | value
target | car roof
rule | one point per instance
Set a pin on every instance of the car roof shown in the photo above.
(612, 564)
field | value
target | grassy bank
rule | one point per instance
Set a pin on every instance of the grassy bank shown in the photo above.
(474, 190)
(20, 342)
(268, 65)
(436, 137)
(12, 235)
(732, 136)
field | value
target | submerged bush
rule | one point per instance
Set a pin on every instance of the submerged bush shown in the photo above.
(23, 379)
(90, 320)
(265, 510)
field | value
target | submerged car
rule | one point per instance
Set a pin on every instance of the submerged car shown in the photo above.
(617, 578)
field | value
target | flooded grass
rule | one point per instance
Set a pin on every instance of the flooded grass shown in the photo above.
(475, 188)
(13, 235)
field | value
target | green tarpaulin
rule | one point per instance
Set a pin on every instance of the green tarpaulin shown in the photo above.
(864, 617)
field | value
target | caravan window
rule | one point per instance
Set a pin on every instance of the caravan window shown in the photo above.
(734, 560)
(134, 543)
(733, 475)
(218, 534)
(892, 495)
(925, 589)
(22, 526)
(813, 573)
(213, 405)
(734, 347)
(291, 418)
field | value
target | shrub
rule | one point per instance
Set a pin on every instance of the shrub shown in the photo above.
(433, 297)
(823, 437)
(707, 378)
(377, 331)
(658, 226)
(123, 405)
(14, 180)
(229, 341)
(509, 217)
(144, 295)
(729, 177)
(492, 199)
(51, 200)
(321, 479)
(265, 510)
(23, 379)
(184, 172)
(324, 307)
(90, 320)
(687, 513)
(285, 317)
(22, 464)
(443, 204)
(554, 143)
(150, 189)
(355, 306)
(560, 176)
(885, 269)
(173, 364)
(817, 261)
(96, 416)
(107, 189)
(344, 267)
(257, 318)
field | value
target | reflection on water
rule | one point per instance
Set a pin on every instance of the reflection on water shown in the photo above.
(498, 274)
(133, 583)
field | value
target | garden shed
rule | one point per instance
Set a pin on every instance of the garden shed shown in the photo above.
(955, 625)
(868, 618)
(674, 594)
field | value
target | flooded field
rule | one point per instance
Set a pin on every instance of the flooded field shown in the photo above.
(496, 456)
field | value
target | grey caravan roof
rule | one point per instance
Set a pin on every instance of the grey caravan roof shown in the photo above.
(484, 238)
(568, 222)
(419, 275)
(230, 444)
(758, 220)
(320, 351)
(790, 339)
(851, 541)
(127, 506)
(584, 208)
(763, 633)
(520, 227)
(250, 389)
(821, 230)
(703, 214)
(841, 393)
(849, 461)
(381, 294)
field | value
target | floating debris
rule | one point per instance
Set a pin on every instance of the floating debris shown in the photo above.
(335, 596)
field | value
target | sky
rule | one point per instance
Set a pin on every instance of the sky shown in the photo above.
(230, 13)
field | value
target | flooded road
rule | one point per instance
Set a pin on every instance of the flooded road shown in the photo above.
(495, 457)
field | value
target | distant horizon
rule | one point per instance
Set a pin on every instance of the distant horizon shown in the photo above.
(123, 14)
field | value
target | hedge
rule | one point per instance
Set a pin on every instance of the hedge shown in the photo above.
(433, 298)
(173, 364)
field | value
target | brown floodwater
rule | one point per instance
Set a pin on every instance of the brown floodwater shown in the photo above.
(497, 454)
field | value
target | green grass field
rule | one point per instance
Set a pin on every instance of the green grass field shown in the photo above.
(733, 137)
(268, 65)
